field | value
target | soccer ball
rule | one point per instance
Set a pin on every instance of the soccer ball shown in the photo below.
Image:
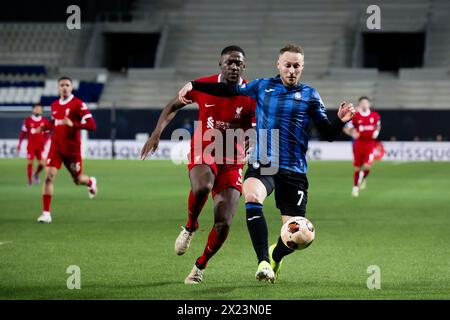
(297, 233)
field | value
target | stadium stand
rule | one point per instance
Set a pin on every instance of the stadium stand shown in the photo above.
(25, 93)
(438, 36)
(49, 44)
(194, 31)
(196, 26)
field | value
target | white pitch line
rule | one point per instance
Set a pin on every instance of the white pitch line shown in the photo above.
(5, 242)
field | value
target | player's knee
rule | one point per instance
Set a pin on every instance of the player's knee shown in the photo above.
(201, 191)
(222, 228)
(253, 196)
(49, 178)
(77, 180)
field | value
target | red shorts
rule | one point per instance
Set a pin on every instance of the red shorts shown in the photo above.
(31, 153)
(72, 161)
(227, 175)
(363, 152)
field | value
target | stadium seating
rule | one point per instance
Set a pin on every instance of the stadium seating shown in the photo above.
(25, 93)
(49, 44)
(438, 35)
(194, 31)
(22, 70)
(198, 29)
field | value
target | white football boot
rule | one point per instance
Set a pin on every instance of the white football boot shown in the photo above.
(183, 241)
(45, 217)
(362, 185)
(92, 190)
(355, 192)
(195, 277)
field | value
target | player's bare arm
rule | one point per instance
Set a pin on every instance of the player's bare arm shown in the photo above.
(67, 122)
(166, 116)
(348, 131)
(352, 132)
(22, 136)
(182, 93)
(377, 130)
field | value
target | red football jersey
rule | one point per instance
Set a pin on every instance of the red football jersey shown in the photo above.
(366, 124)
(36, 140)
(221, 113)
(67, 139)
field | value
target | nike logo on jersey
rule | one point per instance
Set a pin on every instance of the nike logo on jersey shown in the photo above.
(269, 90)
(209, 105)
(250, 219)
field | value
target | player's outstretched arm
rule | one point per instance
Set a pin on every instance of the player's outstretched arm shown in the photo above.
(166, 116)
(377, 130)
(88, 124)
(213, 88)
(22, 135)
(329, 130)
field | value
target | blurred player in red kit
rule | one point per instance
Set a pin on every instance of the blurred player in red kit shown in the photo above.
(216, 174)
(36, 141)
(364, 128)
(69, 116)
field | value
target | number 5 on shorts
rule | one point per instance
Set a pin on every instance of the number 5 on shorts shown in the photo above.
(301, 193)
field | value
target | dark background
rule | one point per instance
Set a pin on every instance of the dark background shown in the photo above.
(390, 51)
(55, 11)
(130, 50)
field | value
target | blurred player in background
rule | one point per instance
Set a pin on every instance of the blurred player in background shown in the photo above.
(287, 106)
(364, 129)
(69, 116)
(36, 141)
(206, 174)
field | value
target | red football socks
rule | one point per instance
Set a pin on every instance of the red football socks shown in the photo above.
(38, 169)
(356, 175)
(46, 200)
(355, 178)
(29, 172)
(212, 246)
(366, 173)
(195, 206)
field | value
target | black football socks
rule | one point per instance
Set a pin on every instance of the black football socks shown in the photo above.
(257, 227)
(280, 251)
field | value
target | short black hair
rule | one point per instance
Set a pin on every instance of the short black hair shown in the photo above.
(38, 104)
(65, 78)
(232, 48)
(364, 98)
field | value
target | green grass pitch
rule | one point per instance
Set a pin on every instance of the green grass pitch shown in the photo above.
(123, 240)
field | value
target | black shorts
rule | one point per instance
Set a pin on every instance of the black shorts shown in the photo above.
(291, 189)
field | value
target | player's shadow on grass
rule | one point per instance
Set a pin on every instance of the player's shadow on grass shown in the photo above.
(146, 285)
(159, 284)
